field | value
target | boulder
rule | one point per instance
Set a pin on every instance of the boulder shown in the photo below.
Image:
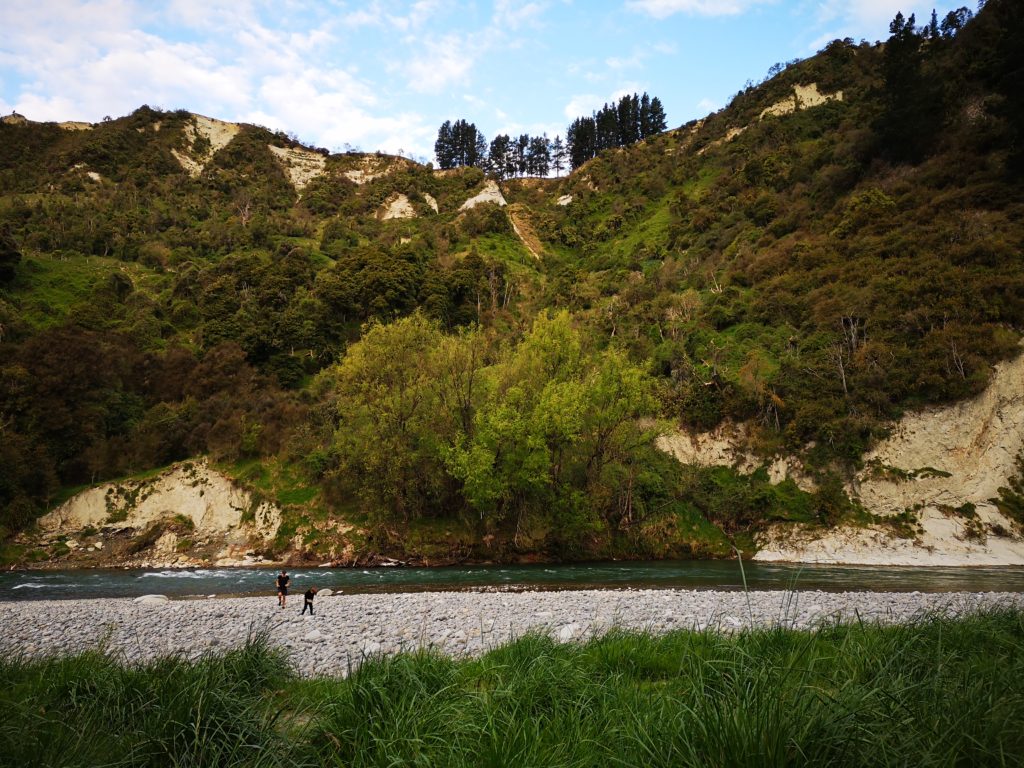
(568, 632)
(151, 600)
(325, 592)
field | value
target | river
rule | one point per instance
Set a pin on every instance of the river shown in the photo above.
(688, 574)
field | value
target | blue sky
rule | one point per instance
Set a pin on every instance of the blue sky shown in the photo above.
(383, 74)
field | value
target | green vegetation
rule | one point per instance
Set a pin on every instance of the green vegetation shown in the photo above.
(813, 276)
(936, 692)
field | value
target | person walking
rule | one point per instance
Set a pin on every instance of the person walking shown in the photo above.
(307, 601)
(283, 580)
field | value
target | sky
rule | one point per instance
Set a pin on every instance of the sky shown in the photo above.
(384, 74)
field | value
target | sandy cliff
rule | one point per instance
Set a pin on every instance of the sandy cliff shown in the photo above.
(189, 514)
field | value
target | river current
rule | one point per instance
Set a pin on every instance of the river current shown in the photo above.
(688, 574)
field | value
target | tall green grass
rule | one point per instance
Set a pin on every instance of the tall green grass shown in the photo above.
(938, 691)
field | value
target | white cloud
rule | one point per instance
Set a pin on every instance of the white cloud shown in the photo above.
(442, 62)
(862, 18)
(585, 104)
(419, 13)
(662, 9)
(628, 62)
(511, 15)
(706, 106)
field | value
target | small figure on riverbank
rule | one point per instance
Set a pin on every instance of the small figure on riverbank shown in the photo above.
(283, 580)
(307, 601)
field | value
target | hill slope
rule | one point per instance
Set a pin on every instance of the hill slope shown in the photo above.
(838, 247)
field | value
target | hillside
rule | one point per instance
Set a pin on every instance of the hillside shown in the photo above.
(403, 365)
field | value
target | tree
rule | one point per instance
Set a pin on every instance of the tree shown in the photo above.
(911, 103)
(386, 401)
(581, 139)
(444, 147)
(521, 150)
(953, 22)
(657, 122)
(500, 161)
(607, 124)
(459, 144)
(558, 155)
(538, 156)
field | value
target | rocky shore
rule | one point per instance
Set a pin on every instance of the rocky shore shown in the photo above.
(347, 628)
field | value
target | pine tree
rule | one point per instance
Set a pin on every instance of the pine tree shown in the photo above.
(499, 158)
(581, 140)
(444, 149)
(558, 155)
(607, 121)
(657, 117)
(538, 158)
(911, 103)
(644, 116)
(628, 120)
(521, 148)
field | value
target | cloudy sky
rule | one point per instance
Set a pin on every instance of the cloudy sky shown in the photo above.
(383, 74)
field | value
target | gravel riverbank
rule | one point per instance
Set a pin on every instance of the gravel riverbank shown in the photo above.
(347, 627)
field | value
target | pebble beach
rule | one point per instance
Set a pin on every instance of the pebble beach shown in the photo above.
(347, 628)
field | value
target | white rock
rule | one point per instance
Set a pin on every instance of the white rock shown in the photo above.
(568, 632)
(326, 592)
(151, 599)
(313, 636)
(565, 199)
(489, 194)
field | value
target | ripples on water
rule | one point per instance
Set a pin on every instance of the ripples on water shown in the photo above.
(693, 574)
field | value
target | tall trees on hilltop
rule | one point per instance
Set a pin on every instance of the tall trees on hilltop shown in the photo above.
(460, 144)
(632, 119)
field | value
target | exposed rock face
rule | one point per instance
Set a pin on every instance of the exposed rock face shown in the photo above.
(301, 165)
(14, 119)
(489, 194)
(397, 207)
(203, 505)
(975, 441)
(804, 97)
(217, 132)
(75, 125)
(564, 200)
(731, 134)
(727, 445)
(941, 540)
(940, 467)
(373, 167)
(430, 201)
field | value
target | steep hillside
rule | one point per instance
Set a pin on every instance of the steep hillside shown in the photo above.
(427, 365)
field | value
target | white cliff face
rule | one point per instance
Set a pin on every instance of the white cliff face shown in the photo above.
(938, 472)
(803, 97)
(941, 467)
(974, 442)
(397, 206)
(301, 165)
(727, 445)
(217, 132)
(489, 194)
(213, 509)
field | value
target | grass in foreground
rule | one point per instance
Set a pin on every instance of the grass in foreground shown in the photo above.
(937, 692)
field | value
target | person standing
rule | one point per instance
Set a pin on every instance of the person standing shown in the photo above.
(283, 580)
(307, 601)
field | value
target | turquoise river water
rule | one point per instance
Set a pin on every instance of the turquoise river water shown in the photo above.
(688, 574)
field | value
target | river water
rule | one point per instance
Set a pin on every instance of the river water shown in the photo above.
(688, 574)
